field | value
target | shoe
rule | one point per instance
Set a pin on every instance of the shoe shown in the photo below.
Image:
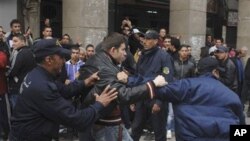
(169, 134)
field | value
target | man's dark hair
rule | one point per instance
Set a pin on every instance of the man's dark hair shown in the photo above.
(221, 39)
(167, 37)
(181, 46)
(89, 45)
(175, 42)
(39, 60)
(20, 36)
(204, 52)
(66, 35)
(46, 27)
(14, 21)
(75, 48)
(113, 40)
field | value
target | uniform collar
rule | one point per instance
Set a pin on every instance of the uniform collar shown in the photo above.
(149, 51)
(49, 75)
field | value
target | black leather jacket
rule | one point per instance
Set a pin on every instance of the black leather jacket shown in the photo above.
(229, 77)
(183, 69)
(108, 70)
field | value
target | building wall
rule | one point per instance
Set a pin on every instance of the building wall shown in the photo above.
(8, 11)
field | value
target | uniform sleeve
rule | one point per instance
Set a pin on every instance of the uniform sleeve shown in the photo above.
(167, 63)
(73, 89)
(54, 107)
(136, 80)
(125, 94)
(174, 92)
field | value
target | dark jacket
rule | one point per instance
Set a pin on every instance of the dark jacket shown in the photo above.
(41, 108)
(134, 44)
(24, 63)
(229, 77)
(239, 73)
(246, 85)
(108, 70)
(155, 62)
(183, 69)
(204, 108)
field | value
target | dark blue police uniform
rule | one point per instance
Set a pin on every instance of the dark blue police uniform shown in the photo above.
(152, 62)
(41, 106)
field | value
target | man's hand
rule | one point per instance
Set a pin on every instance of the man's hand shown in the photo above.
(156, 108)
(106, 96)
(160, 81)
(67, 81)
(122, 77)
(91, 80)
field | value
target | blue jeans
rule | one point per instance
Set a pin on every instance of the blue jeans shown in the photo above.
(111, 133)
(170, 119)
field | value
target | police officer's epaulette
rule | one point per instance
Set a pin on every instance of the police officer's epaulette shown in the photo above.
(52, 86)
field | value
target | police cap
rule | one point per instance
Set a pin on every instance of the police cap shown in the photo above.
(46, 47)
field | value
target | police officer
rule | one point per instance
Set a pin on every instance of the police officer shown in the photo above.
(42, 106)
(204, 108)
(152, 62)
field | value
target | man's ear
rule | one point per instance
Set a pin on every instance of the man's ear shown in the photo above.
(216, 73)
(112, 50)
(156, 41)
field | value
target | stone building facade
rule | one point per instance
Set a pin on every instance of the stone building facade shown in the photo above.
(90, 20)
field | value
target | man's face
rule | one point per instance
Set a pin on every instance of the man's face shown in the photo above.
(209, 38)
(220, 55)
(243, 52)
(90, 51)
(47, 22)
(47, 33)
(57, 63)
(17, 43)
(126, 31)
(65, 40)
(75, 54)
(150, 43)
(167, 43)
(119, 54)
(162, 33)
(82, 55)
(183, 53)
(16, 28)
(218, 43)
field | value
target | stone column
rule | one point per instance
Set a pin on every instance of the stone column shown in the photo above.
(31, 12)
(243, 37)
(188, 19)
(86, 20)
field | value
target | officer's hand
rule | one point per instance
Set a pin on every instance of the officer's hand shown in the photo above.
(156, 108)
(91, 80)
(160, 81)
(106, 96)
(122, 77)
(67, 81)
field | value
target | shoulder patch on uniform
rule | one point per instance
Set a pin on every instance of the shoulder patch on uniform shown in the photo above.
(165, 70)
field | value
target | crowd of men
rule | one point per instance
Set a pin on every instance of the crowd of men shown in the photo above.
(130, 80)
